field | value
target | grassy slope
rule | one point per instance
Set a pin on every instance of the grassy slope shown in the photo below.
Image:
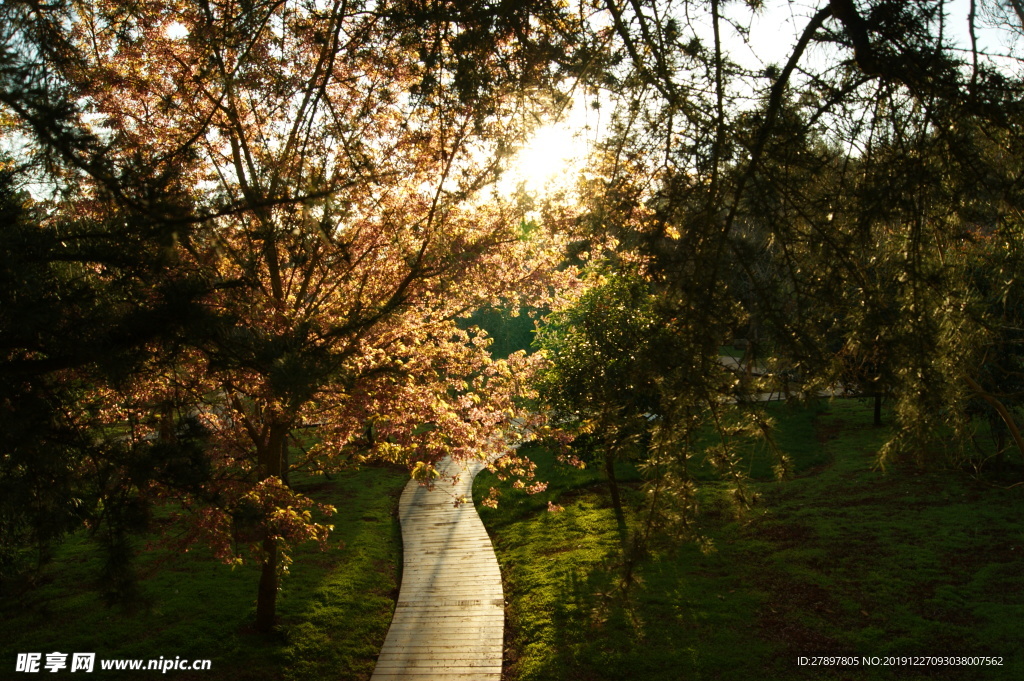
(844, 560)
(334, 607)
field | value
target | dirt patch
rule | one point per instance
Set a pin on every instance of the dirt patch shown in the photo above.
(310, 487)
(826, 432)
(786, 534)
(781, 621)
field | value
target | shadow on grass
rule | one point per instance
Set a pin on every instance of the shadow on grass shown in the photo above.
(685, 612)
(844, 559)
(334, 608)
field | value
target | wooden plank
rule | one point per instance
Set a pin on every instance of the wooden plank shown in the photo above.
(451, 614)
(449, 620)
(458, 667)
(461, 649)
(421, 630)
(469, 653)
(438, 593)
(445, 673)
(412, 627)
(412, 608)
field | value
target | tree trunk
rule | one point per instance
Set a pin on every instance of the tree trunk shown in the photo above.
(285, 462)
(878, 409)
(266, 601)
(613, 487)
(271, 456)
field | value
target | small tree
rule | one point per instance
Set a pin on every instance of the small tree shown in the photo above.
(602, 380)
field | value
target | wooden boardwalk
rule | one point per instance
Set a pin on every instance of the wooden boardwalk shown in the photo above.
(450, 618)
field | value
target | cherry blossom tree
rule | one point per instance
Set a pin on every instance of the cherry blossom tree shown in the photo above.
(322, 168)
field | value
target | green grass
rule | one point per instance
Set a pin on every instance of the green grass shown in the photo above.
(334, 607)
(843, 559)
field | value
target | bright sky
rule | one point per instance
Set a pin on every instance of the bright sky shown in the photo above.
(774, 30)
(556, 153)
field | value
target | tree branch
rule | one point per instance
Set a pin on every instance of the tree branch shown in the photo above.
(1001, 409)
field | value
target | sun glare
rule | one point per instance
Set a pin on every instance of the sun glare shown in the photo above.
(549, 161)
(176, 31)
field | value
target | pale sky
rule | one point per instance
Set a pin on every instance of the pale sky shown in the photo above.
(556, 152)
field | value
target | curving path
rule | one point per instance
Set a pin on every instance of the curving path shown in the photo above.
(450, 618)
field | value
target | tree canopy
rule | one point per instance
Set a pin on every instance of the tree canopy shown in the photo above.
(254, 220)
(312, 176)
(822, 204)
(832, 210)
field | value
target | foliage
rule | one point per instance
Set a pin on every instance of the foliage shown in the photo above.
(314, 176)
(511, 330)
(66, 326)
(606, 356)
(603, 351)
(256, 219)
(992, 266)
(620, 381)
(814, 205)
